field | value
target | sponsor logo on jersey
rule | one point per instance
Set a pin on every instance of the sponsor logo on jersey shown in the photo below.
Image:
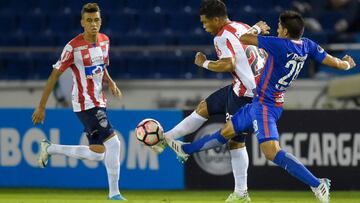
(94, 71)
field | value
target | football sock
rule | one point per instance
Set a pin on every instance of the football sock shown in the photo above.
(112, 164)
(240, 164)
(75, 151)
(293, 166)
(204, 143)
(189, 125)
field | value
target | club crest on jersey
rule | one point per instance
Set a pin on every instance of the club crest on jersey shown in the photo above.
(94, 71)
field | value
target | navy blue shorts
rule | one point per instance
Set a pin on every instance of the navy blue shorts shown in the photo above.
(225, 101)
(96, 125)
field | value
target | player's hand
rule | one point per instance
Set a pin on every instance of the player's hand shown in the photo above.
(200, 58)
(38, 116)
(265, 29)
(350, 60)
(115, 90)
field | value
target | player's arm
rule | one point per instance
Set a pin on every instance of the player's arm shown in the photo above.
(251, 36)
(39, 113)
(249, 39)
(221, 65)
(112, 84)
(259, 28)
(346, 63)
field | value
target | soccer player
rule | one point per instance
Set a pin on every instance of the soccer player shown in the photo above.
(244, 63)
(287, 54)
(87, 55)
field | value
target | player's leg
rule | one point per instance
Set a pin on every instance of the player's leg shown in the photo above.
(188, 125)
(212, 105)
(112, 165)
(110, 140)
(267, 135)
(240, 122)
(94, 152)
(191, 123)
(238, 152)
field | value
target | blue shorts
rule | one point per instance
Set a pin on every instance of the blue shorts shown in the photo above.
(225, 102)
(96, 125)
(259, 118)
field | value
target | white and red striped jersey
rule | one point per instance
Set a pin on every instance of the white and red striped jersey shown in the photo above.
(249, 60)
(87, 62)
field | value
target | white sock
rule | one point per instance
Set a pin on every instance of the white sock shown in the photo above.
(112, 164)
(75, 151)
(240, 164)
(189, 125)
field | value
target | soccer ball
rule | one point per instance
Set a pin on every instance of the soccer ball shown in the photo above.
(149, 132)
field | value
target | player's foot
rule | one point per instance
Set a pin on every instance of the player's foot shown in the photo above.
(117, 197)
(175, 145)
(44, 155)
(234, 197)
(322, 191)
(159, 147)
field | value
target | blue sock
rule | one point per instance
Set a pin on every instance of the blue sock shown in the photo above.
(204, 143)
(293, 166)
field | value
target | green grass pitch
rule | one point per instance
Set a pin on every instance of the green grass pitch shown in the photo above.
(160, 196)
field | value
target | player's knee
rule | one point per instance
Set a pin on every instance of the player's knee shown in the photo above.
(235, 144)
(97, 156)
(97, 152)
(97, 148)
(270, 149)
(202, 109)
(228, 131)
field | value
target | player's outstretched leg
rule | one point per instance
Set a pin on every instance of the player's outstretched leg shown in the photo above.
(176, 146)
(187, 126)
(322, 191)
(112, 165)
(44, 155)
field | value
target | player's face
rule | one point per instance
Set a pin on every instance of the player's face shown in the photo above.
(91, 22)
(210, 25)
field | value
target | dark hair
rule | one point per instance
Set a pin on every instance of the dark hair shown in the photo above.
(90, 8)
(293, 22)
(213, 8)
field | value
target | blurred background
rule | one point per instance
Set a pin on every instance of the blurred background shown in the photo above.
(153, 45)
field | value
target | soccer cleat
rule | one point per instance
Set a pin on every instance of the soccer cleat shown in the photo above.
(44, 155)
(233, 197)
(322, 191)
(175, 145)
(159, 147)
(117, 197)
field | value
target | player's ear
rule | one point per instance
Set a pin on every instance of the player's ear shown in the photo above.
(286, 31)
(82, 22)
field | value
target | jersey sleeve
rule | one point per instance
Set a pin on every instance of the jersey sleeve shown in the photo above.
(66, 59)
(316, 51)
(271, 45)
(223, 48)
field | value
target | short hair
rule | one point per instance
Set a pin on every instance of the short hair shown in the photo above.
(90, 8)
(293, 22)
(213, 8)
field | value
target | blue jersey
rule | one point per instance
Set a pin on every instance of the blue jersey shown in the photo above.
(285, 60)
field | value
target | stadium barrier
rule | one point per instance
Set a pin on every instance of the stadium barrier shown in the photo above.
(140, 167)
(326, 141)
